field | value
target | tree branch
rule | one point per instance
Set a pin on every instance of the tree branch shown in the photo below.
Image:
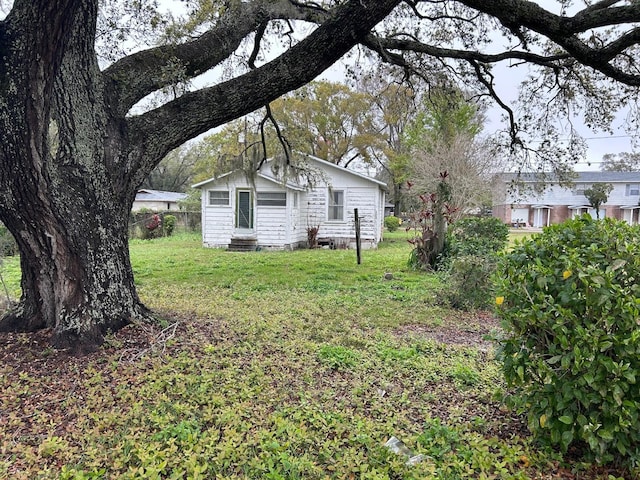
(468, 55)
(615, 48)
(140, 74)
(603, 16)
(563, 31)
(256, 45)
(263, 137)
(481, 73)
(155, 133)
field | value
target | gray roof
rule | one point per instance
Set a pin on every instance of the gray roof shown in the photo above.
(265, 173)
(147, 195)
(586, 177)
(608, 177)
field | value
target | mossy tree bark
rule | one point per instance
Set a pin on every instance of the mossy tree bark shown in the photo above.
(67, 203)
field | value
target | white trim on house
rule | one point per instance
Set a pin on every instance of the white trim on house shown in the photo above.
(330, 165)
(290, 185)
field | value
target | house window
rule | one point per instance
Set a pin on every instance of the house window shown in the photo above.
(336, 204)
(272, 199)
(295, 199)
(632, 189)
(581, 187)
(217, 197)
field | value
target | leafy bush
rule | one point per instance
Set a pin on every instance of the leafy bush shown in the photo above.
(477, 236)
(338, 357)
(570, 300)
(169, 223)
(471, 255)
(392, 223)
(8, 245)
(469, 282)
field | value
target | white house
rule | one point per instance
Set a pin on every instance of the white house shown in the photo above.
(263, 211)
(556, 203)
(157, 200)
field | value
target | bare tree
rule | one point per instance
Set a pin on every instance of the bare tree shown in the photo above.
(393, 107)
(472, 170)
(66, 200)
(175, 172)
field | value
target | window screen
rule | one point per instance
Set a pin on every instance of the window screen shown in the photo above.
(218, 197)
(336, 205)
(272, 199)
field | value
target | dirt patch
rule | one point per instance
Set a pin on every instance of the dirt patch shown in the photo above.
(470, 329)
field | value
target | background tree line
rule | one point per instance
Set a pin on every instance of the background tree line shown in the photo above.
(401, 134)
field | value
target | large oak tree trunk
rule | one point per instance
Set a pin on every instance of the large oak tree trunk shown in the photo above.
(68, 198)
(76, 279)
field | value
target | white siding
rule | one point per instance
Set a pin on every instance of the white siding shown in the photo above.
(365, 197)
(270, 222)
(217, 221)
(557, 195)
(155, 206)
(286, 227)
(271, 226)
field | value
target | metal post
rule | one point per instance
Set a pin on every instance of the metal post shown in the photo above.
(357, 218)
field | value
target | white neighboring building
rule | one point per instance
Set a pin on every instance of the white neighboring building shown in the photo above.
(265, 212)
(557, 204)
(157, 200)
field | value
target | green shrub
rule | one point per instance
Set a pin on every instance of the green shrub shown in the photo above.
(477, 236)
(8, 246)
(392, 223)
(469, 282)
(472, 244)
(570, 303)
(338, 357)
(169, 224)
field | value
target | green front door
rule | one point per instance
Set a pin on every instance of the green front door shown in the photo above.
(244, 209)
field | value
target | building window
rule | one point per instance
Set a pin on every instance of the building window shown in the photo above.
(272, 199)
(217, 197)
(632, 189)
(336, 205)
(295, 199)
(581, 187)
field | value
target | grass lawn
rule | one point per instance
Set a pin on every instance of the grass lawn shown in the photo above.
(518, 234)
(270, 365)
